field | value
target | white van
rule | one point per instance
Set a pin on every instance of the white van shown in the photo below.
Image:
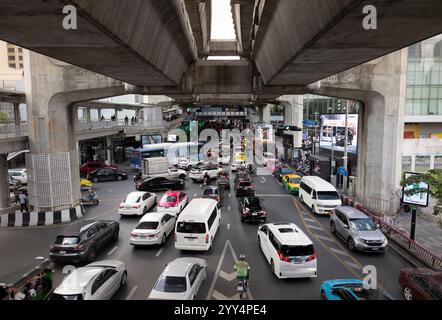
(197, 225)
(319, 195)
(288, 250)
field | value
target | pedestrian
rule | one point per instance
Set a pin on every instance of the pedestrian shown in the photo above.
(22, 199)
(132, 121)
(126, 120)
(102, 118)
(135, 119)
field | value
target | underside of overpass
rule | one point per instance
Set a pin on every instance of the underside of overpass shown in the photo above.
(159, 47)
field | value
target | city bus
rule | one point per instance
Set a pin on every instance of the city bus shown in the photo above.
(173, 151)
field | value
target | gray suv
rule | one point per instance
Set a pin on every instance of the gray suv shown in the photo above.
(82, 242)
(358, 230)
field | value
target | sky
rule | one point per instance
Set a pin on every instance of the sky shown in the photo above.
(222, 22)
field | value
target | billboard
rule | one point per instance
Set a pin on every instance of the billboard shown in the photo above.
(332, 134)
(418, 199)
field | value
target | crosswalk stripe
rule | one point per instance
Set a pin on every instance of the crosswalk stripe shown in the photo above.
(315, 227)
(310, 220)
(341, 252)
(353, 265)
(324, 238)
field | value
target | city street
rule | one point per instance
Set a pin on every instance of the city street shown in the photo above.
(335, 261)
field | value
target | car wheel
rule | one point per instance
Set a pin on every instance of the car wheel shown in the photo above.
(145, 210)
(313, 210)
(407, 294)
(259, 242)
(332, 227)
(302, 199)
(95, 180)
(163, 241)
(323, 295)
(182, 177)
(123, 279)
(119, 178)
(91, 255)
(116, 235)
(272, 266)
(351, 244)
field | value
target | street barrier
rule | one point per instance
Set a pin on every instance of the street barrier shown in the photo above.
(399, 237)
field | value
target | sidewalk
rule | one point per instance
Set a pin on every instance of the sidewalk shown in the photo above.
(428, 230)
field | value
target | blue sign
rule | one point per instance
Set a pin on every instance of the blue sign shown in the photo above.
(342, 171)
(310, 123)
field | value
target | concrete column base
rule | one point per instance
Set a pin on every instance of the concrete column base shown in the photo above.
(7, 210)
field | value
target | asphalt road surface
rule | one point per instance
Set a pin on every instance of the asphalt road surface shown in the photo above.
(335, 261)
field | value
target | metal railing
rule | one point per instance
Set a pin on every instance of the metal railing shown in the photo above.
(121, 124)
(399, 237)
(378, 206)
(12, 130)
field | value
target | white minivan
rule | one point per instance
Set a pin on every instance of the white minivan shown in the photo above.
(197, 225)
(319, 195)
(288, 250)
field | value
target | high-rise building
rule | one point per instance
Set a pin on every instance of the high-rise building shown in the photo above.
(11, 66)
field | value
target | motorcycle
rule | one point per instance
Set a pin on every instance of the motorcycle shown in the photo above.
(206, 181)
(90, 200)
(241, 288)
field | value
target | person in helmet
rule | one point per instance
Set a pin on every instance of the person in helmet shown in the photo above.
(242, 268)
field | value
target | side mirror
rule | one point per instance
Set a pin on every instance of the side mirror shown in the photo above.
(378, 225)
(346, 226)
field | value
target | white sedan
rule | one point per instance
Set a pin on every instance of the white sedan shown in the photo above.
(137, 203)
(96, 281)
(19, 174)
(152, 229)
(180, 280)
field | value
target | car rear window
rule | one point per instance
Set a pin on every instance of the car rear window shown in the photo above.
(62, 240)
(171, 284)
(133, 198)
(297, 251)
(59, 297)
(245, 184)
(210, 191)
(191, 227)
(147, 225)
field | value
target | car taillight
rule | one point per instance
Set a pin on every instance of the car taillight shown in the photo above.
(156, 235)
(121, 206)
(207, 238)
(133, 235)
(51, 248)
(174, 237)
(311, 258)
(136, 206)
(284, 258)
(263, 213)
(78, 248)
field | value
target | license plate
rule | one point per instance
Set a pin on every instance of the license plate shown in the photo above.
(62, 252)
(375, 249)
(297, 260)
(142, 237)
(254, 214)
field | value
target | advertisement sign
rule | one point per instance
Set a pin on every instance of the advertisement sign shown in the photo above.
(418, 199)
(288, 140)
(333, 132)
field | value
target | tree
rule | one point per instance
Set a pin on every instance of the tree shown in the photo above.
(4, 117)
(434, 179)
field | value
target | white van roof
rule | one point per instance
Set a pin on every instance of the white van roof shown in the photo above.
(318, 183)
(290, 234)
(198, 209)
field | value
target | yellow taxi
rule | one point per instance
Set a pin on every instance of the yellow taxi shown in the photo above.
(291, 183)
(85, 183)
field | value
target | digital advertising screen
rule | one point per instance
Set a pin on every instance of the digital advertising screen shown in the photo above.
(418, 199)
(332, 134)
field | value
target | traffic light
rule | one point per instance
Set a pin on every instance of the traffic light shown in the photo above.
(292, 128)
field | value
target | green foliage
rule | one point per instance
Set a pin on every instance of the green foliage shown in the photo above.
(433, 178)
(4, 117)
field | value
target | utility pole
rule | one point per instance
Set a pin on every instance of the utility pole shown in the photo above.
(345, 178)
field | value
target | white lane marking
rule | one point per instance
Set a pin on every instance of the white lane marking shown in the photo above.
(132, 293)
(310, 220)
(227, 276)
(228, 226)
(315, 227)
(230, 195)
(341, 252)
(112, 251)
(353, 265)
(219, 296)
(195, 195)
(275, 195)
(323, 238)
(159, 252)
(229, 208)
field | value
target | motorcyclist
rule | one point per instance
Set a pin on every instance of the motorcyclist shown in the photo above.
(206, 179)
(92, 195)
(242, 268)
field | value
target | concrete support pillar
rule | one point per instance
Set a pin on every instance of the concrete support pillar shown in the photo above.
(17, 117)
(264, 114)
(52, 88)
(5, 200)
(293, 116)
(108, 150)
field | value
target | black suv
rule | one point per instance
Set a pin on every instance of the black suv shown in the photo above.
(83, 241)
(251, 209)
(244, 188)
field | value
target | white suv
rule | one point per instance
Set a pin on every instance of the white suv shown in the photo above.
(288, 250)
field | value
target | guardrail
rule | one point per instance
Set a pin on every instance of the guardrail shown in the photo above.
(12, 130)
(399, 237)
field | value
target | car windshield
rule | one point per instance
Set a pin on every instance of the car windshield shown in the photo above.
(295, 180)
(297, 251)
(364, 224)
(245, 184)
(133, 198)
(191, 227)
(147, 225)
(61, 240)
(59, 297)
(167, 198)
(210, 191)
(14, 174)
(328, 195)
(286, 170)
(171, 284)
(371, 294)
(254, 203)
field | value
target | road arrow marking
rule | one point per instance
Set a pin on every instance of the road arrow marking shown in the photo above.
(227, 276)
(219, 296)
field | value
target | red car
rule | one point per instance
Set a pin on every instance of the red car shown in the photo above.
(173, 202)
(92, 166)
(421, 284)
